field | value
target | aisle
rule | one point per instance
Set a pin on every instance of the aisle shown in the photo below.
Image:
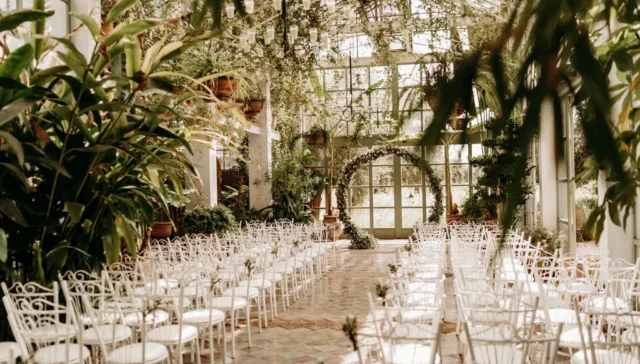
(311, 330)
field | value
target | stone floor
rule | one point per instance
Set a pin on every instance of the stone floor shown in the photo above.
(322, 311)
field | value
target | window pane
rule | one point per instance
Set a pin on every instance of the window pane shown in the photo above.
(458, 153)
(380, 75)
(438, 170)
(382, 176)
(459, 174)
(361, 218)
(459, 194)
(436, 155)
(360, 197)
(384, 160)
(411, 217)
(384, 218)
(361, 177)
(412, 196)
(411, 175)
(335, 79)
(408, 75)
(383, 197)
(360, 78)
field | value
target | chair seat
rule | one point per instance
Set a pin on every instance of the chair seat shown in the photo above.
(129, 354)
(492, 354)
(51, 333)
(606, 304)
(203, 316)
(604, 357)
(61, 353)
(417, 315)
(224, 303)
(110, 333)
(242, 292)
(153, 318)
(257, 283)
(571, 338)
(562, 315)
(171, 334)
(421, 299)
(105, 318)
(9, 352)
(410, 353)
(418, 331)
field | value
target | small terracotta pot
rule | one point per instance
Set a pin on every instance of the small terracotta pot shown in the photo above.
(253, 108)
(328, 219)
(314, 140)
(161, 229)
(224, 87)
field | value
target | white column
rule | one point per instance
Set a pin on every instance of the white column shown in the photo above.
(260, 156)
(204, 160)
(547, 168)
(615, 242)
(82, 38)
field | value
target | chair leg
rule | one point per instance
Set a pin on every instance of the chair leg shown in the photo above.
(224, 342)
(211, 345)
(259, 304)
(248, 310)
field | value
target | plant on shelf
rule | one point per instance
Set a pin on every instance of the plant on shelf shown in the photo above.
(89, 145)
(490, 193)
(315, 136)
(209, 220)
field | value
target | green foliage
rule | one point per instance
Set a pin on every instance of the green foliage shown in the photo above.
(584, 115)
(497, 174)
(88, 147)
(480, 205)
(549, 240)
(209, 220)
(555, 38)
(293, 182)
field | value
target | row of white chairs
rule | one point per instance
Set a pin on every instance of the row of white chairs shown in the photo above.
(181, 297)
(517, 303)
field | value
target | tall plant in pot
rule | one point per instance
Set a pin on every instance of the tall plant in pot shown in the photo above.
(83, 165)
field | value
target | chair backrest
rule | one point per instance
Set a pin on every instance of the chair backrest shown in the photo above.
(406, 342)
(35, 322)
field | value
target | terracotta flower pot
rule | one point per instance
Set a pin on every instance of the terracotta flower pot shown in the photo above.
(224, 87)
(314, 139)
(328, 219)
(161, 229)
(253, 108)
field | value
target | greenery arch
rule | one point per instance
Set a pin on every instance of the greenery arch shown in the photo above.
(359, 238)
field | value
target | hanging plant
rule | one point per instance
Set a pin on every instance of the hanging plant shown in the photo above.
(359, 238)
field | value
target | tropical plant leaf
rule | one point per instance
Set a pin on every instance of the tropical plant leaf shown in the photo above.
(17, 61)
(134, 28)
(4, 246)
(14, 144)
(119, 8)
(90, 23)
(75, 210)
(9, 209)
(13, 20)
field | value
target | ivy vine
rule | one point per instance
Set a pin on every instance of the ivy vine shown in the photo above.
(359, 238)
